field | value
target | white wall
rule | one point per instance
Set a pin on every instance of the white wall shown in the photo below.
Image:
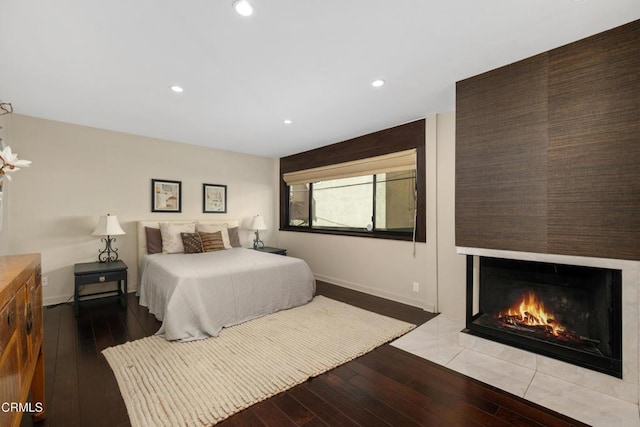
(386, 267)
(79, 173)
(4, 239)
(451, 266)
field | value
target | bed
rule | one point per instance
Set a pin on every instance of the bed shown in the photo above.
(196, 295)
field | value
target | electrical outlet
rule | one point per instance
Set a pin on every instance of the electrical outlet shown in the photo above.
(45, 281)
(416, 287)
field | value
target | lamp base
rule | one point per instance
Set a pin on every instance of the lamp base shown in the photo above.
(257, 243)
(108, 254)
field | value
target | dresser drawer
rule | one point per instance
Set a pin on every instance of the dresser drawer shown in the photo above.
(8, 322)
(21, 355)
(112, 276)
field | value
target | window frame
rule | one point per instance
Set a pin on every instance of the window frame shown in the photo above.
(399, 138)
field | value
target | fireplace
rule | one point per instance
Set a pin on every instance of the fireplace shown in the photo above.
(571, 313)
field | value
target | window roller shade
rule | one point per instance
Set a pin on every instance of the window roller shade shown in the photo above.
(394, 162)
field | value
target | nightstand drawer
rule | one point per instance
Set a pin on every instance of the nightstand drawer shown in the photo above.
(111, 276)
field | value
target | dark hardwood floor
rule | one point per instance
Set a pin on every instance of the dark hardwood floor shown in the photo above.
(386, 387)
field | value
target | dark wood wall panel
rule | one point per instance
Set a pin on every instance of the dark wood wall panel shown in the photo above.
(548, 151)
(501, 158)
(594, 146)
(398, 138)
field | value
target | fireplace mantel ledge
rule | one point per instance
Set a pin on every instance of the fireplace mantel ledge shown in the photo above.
(552, 258)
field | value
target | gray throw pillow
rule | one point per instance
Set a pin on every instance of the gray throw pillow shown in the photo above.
(234, 238)
(154, 240)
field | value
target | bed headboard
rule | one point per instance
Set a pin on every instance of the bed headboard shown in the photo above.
(142, 237)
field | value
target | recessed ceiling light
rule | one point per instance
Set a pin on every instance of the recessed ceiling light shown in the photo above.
(377, 83)
(243, 7)
(177, 89)
(287, 121)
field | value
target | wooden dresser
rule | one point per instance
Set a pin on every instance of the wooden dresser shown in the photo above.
(21, 334)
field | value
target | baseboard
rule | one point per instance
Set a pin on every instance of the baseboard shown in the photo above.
(376, 292)
(60, 299)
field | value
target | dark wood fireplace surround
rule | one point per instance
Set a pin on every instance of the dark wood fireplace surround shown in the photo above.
(548, 153)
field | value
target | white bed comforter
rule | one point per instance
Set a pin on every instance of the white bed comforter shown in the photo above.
(196, 295)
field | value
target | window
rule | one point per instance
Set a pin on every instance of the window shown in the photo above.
(372, 186)
(299, 205)
(382, 202)
(343, 203)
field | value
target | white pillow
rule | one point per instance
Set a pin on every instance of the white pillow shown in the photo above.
(171, 239)
(222, 228)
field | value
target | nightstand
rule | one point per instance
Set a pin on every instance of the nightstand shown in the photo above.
(91, 273)
(271, 250)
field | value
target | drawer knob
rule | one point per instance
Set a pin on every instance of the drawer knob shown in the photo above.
(101, 279)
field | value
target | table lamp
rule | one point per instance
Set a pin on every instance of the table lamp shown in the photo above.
(258, 224)
(108, 226)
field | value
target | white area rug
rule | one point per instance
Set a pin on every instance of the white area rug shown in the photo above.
(200, 383)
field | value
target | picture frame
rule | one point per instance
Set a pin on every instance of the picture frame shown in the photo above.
(166, 196)
(214, 198)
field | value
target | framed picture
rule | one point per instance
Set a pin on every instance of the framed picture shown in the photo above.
(166, 196)
(214, 198)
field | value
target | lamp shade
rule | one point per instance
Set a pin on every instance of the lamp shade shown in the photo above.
(258, 223)
(108, 226)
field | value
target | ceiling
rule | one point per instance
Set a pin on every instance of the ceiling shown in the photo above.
(110, 64)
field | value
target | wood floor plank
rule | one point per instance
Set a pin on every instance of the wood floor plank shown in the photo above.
(316, 422)
(130, 321)
(469, 390)
(320, 408)
(296, 411)
(385, 387)
(244, 418)
(348, 405)
(394, 309)
(511, 418)
(65, 402)
(51, 322)
(384, 393)
(271, 415)
(387, 413)
(389, 384)
(119, 333)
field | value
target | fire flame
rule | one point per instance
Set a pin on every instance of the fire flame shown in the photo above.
(531, 312)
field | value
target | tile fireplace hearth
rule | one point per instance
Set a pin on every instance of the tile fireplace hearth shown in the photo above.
(569, 383)
(440, 341)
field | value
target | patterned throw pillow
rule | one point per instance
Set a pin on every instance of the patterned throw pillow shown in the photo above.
(234, 238)
(208, 228)
(192, 243)
(211, 242)
(171, 240)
